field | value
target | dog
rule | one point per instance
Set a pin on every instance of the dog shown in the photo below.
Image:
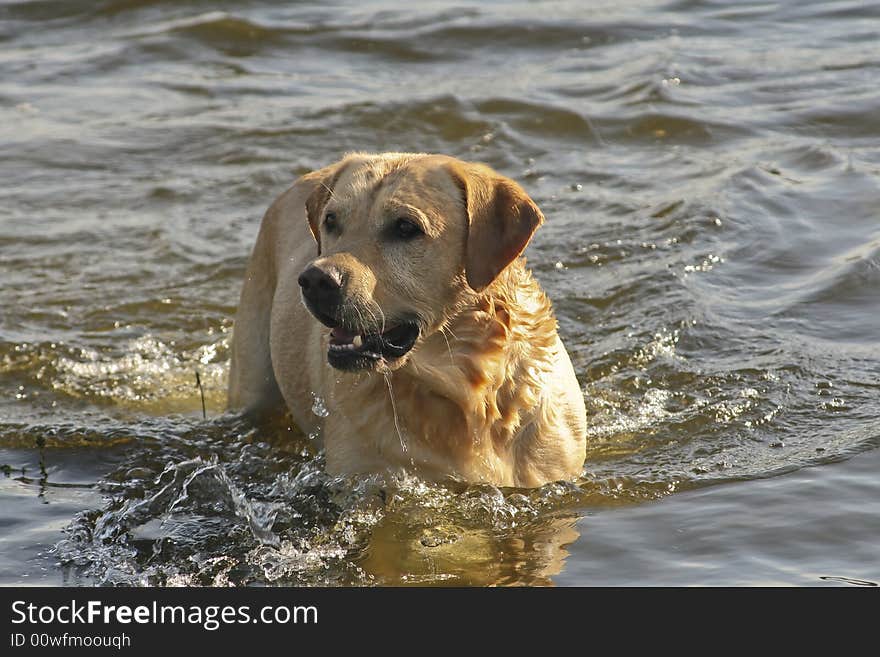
(386, 308)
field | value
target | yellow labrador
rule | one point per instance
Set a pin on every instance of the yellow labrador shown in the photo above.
(387, 308)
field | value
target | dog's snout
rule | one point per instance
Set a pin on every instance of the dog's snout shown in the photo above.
(317, 281)
(322, 289)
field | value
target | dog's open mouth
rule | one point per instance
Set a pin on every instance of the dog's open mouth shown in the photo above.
(350, 351)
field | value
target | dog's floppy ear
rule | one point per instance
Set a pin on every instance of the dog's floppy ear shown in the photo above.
(501, 221)
(324, 181)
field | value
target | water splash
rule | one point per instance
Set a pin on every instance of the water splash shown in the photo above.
(235, 510)
(148, 372)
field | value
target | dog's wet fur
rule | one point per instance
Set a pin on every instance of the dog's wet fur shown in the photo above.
(391, 286)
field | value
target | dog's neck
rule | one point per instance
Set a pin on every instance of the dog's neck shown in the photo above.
(464, 398)
(490, 359)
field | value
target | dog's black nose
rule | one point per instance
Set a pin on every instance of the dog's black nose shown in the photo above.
(320, 281)
(321, 287)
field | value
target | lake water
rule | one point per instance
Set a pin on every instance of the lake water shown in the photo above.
(710, 173)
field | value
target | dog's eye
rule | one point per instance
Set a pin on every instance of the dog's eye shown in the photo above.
(406, 229)
(330, 221)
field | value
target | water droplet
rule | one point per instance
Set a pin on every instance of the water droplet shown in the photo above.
(318, 406)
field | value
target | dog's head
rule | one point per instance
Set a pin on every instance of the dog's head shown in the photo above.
(402, 239)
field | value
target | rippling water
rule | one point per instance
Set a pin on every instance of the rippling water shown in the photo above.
(710, 172)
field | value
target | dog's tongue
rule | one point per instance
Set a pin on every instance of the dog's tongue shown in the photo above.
(339, 335)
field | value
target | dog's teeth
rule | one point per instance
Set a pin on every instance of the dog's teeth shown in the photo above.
(357, 342)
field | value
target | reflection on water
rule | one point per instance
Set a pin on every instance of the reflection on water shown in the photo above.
(711, 178)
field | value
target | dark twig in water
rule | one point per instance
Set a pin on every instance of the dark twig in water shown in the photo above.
(202, 393)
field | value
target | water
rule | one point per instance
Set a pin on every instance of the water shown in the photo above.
(710, 172)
